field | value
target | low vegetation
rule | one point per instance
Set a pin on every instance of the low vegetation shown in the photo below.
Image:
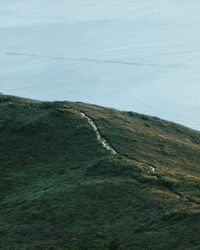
(60, 189)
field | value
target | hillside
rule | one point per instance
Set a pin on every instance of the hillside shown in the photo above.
(61, 188)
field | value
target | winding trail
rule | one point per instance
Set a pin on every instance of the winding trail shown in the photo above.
(152, 169)
(104, 143)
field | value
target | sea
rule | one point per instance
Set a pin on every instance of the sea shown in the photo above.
(138, 55)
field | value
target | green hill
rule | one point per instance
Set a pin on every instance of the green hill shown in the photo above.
(61, 189)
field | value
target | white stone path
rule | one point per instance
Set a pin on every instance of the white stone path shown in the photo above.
(104, 143)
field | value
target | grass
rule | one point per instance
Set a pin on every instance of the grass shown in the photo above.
(60, 189)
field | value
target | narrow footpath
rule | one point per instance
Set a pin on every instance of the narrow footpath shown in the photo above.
(104, 143)
(152, 169)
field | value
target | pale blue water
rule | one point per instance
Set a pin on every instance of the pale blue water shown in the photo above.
(140, 55)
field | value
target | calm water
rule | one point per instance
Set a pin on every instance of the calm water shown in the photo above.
(140, 55)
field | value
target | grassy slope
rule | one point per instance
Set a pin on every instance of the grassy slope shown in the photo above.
(60, 189)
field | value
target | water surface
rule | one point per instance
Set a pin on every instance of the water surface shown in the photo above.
(140, 55)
